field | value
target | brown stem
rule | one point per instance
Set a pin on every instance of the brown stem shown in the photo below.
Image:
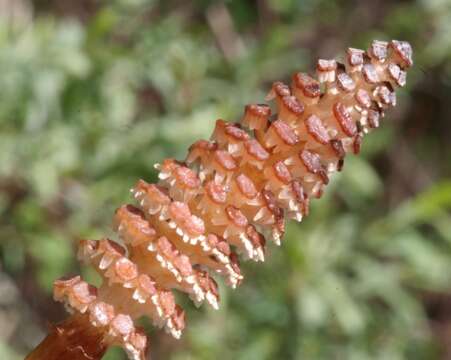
(73, 339)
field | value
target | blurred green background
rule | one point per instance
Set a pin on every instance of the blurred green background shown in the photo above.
(92, 93)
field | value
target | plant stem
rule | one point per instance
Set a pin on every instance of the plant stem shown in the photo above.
(73, 339)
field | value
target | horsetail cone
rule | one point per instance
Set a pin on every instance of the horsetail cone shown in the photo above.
(229, 196)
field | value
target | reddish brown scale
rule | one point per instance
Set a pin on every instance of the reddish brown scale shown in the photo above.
(168, 169)
(101, 313)
(236, 216)
(370, 74)
(212, 240)
(355, 57)
(194, 226)
(62, 284)
(293, 105)
(183, 265)
(79, 293)
(317, 130)
(130, 212)
(357, 144)
(271, 203)
(326, 65)
(403, 51)
(396, 74)
(178, 318)
(257, 239)
(345, 82)
(236, 133)
(246, 186)
(158, 193)
(203, 144)
(216, 192)
(326, 70)
(282, 172)
(256, 116)
(313, 164)
(166, 248)
(224, 247)
(300, 196)
(363, 98)
(310, 87)
(87, 248)
(167, 302)
(235, 262)
(138, 340)
(218, 134)
(179, 211)
(152, 198)
(200, 150)
(279, 228)
(208, 283)
(338, 149)
(110, 247)
(280, 90)
(254, 148)
(131, 225)
(344, 119)
(146, 283)
(373, 118)
(225, 160)
(122, 325)
(230, 137)
(217, 242)
(285, 133)
(385, 96)
(290, 109)
(125, 269)
(187, 177)
(80, 296)
(260, 110)
(190, 224)
(378, 50)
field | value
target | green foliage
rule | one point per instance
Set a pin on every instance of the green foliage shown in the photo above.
(87, 108)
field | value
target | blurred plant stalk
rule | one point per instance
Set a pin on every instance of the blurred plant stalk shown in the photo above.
(74, 339)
